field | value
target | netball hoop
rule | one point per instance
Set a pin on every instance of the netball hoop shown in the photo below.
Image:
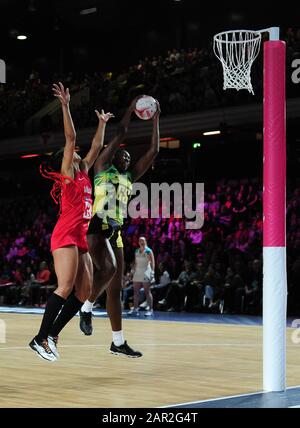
(237, 50)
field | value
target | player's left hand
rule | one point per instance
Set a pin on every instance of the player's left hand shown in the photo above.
(158, 111)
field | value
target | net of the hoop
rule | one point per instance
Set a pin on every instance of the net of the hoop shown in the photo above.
(237, 51)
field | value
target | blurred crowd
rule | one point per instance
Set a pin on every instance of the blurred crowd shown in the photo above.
(25, 228)
(198, 71)
(217, 268)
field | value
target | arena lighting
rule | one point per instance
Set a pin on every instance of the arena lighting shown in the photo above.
(88, 11)
(210, 133)
(196, 145)
(170, 143)
(162, 140)
(22, 37)
(34, 155)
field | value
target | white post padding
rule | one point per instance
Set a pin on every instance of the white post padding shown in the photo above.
(275, 33)
(274, 315)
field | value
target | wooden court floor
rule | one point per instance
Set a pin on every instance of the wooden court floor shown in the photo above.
(182, 362)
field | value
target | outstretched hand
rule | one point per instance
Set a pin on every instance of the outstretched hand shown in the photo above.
(104, 117)
(61, 93)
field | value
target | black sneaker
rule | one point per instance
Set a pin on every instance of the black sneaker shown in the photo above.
(124, 350)
(86, 325)
(41, 347)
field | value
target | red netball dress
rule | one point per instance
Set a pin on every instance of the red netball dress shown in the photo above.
(76, 212)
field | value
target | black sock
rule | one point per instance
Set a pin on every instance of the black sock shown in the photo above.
(52, 309)
(69, 310)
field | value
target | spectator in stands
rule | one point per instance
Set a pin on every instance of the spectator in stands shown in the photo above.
(26, 224)
(253, 289)
(234, 288)
(195, 290)
(31, 291)
(175, 296)
(159, 289)
(29, 280)
(213, 286)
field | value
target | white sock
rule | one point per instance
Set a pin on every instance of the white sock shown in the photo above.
(118, 338)
(87, 306)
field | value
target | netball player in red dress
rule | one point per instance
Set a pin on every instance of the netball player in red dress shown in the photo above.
(72, 262)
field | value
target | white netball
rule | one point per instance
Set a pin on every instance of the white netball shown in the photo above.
(146, 107)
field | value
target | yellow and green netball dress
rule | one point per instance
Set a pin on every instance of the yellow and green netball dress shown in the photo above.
(112, 191)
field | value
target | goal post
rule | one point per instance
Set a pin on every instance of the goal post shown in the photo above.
(274, 209)
(237, 50)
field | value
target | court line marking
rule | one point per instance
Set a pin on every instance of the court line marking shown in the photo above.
(144, 344)
(145, 319)
(142, 318)
(211, 400)
(219, 345)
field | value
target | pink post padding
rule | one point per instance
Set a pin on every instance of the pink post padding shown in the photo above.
(274, 144)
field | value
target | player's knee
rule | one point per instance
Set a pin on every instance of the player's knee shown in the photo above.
(111, 268)
(65, 288)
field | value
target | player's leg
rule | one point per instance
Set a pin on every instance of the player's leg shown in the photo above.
(83, 285)
(149, 298)
(105, 264)
(114, 306)
(84, 279)
(66, 265)
(136, 298)
(104, 269)
(113, 300)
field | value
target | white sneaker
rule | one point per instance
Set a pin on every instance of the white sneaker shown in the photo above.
(221, 307)
(133, 312)
(144, 304)
(52, 342)
(162, 302)
(42, 349)
(149, 313)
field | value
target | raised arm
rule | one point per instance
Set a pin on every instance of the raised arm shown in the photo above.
(106, 156)
(97, 143)
(146, 161)
(70, 134)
